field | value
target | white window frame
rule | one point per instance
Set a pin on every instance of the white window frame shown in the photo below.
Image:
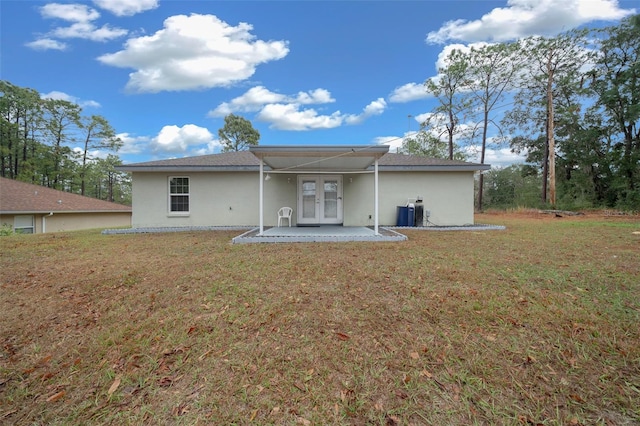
(19, 224)
(170, 195)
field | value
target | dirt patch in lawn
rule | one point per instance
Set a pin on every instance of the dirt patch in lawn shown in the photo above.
(536, 324)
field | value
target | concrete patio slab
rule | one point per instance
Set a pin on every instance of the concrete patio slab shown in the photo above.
(305, 234)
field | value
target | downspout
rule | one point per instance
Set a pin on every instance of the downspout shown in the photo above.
(44, 222)
(375, 197)
(261, 197)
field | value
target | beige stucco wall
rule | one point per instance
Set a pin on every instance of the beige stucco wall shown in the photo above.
(216, 199)
(74, 221)
(232, 199)
(447, 195)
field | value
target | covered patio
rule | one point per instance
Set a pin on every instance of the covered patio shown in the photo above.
(321, 166)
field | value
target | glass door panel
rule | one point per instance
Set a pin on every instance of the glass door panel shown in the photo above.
(309, 199)
(330, 199)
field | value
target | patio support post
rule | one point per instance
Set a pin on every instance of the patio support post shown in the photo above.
(261, 209)
(375, 197)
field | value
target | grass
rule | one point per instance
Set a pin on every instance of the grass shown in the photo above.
(537, 324)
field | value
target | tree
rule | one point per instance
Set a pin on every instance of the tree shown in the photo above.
(105, 182)
(448, 88)
(425, 144)
(491, 72)
(21, 113)
(616, 84)
(237, 134)
(515, 185)
(97, 134)
(62, 121)
(549, 66)
(36, 140)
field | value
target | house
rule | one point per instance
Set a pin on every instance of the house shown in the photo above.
(32, 209)
(349, 185)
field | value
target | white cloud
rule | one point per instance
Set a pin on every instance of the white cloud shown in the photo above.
(501, 157)
(376, 107)
(394, 142)
(408, 92)
(82, 26)
(69, 12)
(290, 117)
(181, 139)
(133, 144)
(91, 154)
(257, 97)
(47, 44)
(90, 104)
(126, 7)
(288, 112)
(522, 18)
(69, 98)
(210, 148)
(88, 31)
(194, 52)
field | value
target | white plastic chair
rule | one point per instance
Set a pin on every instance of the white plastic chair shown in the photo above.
(284, 213)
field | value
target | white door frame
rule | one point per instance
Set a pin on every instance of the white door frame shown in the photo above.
(319, 210)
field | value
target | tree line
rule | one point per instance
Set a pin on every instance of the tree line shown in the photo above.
(36, 139)
(570, 104)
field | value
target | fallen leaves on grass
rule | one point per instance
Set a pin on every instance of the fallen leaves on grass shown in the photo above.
(342, 336)
(114, 385)
(468, 330)
(56, 396)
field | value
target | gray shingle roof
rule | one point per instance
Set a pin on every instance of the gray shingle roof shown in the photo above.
(225, 159)
(21, 197)
(245, 160)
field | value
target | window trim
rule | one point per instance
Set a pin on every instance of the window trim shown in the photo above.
(170, 195)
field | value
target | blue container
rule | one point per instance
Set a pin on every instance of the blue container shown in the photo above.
(406, 215)
(403, 216)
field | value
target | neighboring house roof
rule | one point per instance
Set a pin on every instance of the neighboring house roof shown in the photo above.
(247, 161)
(20, 197)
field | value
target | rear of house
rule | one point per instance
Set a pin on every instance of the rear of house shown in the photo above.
(349, 186)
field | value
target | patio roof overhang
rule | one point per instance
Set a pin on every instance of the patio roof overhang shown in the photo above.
(319, 159)
(296, 159)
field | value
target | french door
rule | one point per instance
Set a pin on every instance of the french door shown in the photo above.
(319, 199)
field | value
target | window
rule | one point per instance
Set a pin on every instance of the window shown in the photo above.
(23, 224)
(179, 195)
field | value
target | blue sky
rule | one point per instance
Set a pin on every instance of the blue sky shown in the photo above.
(164, 73)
